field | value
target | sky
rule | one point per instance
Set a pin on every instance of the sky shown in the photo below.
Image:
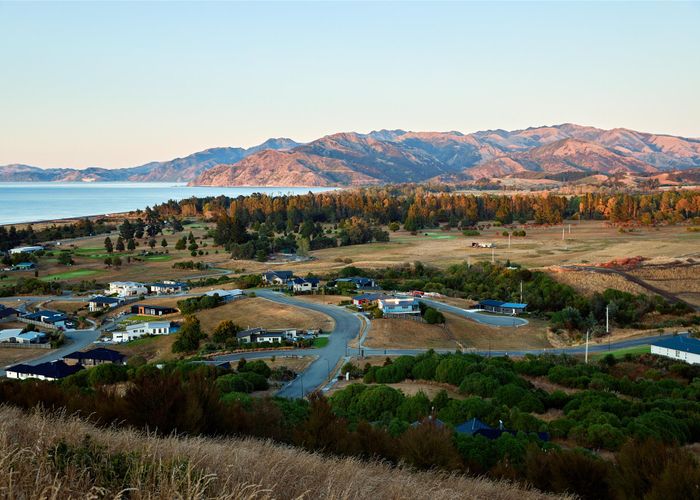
(120, 84)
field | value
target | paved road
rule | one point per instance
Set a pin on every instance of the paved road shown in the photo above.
(347, 327)
(485, 319)
(592, 348)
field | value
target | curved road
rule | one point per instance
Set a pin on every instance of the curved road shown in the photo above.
(347, 327)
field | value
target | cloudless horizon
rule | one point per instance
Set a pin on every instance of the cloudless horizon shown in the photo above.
(121, 84)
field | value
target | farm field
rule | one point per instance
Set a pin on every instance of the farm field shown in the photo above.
(259, 312)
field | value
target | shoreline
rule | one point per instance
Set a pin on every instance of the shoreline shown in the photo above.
(186, 189)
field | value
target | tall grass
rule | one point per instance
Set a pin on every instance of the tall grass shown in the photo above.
(57, 456)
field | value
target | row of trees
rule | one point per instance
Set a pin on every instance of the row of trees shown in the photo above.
(417, 208)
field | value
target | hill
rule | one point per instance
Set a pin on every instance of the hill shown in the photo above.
(69, 457)
(396, 156)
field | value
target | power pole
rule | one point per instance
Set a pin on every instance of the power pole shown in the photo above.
(521, 291)
(607, 319)
(563, 234)
(569, 228)
(493, 255)
(508, 241)
(587, 331)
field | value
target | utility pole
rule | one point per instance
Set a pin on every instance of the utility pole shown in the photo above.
(569, 228)
(563, 234)
(587, 332)
(607, 319)
(493, 255)
(508, 241)
(521, 291)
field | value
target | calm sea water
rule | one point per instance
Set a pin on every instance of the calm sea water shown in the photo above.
(34, 201)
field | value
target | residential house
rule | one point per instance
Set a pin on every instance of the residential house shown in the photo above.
(302, 285)
(29, 249)
(24, 266)
(399, 306)
(476, 427)
(472, 426)
(263, 336)
(367, 299)
(53, 370)
(8, 314)
(359, 282)
(227, 295)
(167, 287)
(497, 306)
(141, 329)
(15, 336)
(277, 277)
(48, 319)
(102, 303)
(94, 357)
(146, 310)
(126, 288)
(678, 347)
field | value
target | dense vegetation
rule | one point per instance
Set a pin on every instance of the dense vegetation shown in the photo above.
(655, 411)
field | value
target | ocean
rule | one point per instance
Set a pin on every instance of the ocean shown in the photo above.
(36, 201)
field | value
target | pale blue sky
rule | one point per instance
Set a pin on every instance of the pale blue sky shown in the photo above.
(119, 84)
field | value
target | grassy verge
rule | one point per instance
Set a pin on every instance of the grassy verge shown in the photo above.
(321, 342)
(621, 353)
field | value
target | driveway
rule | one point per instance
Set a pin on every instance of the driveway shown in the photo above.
(479, 317)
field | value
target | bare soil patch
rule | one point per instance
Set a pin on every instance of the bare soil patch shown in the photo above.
(11, 356)
(406, 333)
(259, 312)
(470, 334)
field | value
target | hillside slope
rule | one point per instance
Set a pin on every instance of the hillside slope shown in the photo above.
(394, 156)
(67, 457)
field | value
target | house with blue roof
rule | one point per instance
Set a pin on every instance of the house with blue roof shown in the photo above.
(472, 426)
(678, 347)
(500, 307)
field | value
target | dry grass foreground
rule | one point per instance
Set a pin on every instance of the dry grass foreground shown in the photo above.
(179, 467)
(259, 312)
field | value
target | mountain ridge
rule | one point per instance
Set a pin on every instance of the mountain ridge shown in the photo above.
(396, 155)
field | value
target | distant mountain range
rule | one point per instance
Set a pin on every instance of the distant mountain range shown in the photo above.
(390, 156)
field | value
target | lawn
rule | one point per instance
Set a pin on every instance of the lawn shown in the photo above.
(139, 318)
(321, 342)
(157, 258)
(621, 353)
(77, 273)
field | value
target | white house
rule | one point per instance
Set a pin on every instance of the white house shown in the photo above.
(140, 329)
(30, 249)
(126, 288)
(678, 347)
(399, 306)
(15, 336)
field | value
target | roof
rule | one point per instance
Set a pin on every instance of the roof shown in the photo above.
(398, 300)
(126, 283)
(52, 369)
(430, 420)
(7, 311)
(149, 324)
(471, 426)
(31, 335)
(99, 353)
(679, 343)
(499, 303)
(370, 296)
(8, 334)
(249, 332)
(280, 274)
(355, 279)
(225, 293)
(156, 308)
(46, 316)
(100, 299)
(272, 334)
(25, 264)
